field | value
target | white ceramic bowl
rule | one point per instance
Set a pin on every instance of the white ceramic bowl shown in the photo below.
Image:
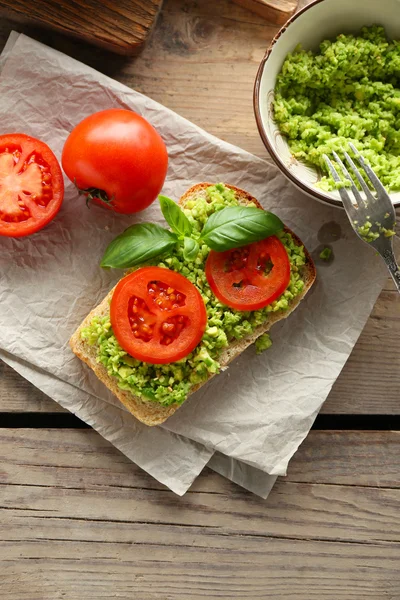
(323, 19)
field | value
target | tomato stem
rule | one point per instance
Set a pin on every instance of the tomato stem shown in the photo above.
(93, 193)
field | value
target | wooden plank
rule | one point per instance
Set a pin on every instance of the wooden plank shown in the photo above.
(120, 27)
(76, 458)
(208, 67)
(275, 11)
(370, 380)
(301, 511)
(78, 520)
(360, 458)
(18, 395)
(193, 564)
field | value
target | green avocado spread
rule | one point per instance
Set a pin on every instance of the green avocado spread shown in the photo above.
(348, 91)
(369, 233)
(170, 383)
(262, 343)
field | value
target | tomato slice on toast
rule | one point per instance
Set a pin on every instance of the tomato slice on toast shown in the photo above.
(249, 277)
(157, 315)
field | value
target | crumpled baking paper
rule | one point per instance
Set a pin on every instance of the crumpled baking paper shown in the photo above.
(260, 409)
(185, 459)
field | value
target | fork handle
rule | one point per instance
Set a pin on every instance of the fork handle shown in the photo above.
(388, 257)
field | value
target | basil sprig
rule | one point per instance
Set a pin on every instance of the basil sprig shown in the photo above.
(138, 244)
(175, 217)
(231, 227)
(236, 226)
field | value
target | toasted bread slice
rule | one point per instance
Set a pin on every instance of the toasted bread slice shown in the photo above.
(152, 413)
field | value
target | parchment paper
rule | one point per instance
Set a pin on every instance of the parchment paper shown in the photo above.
(260, 410)
(185, 459)
(179, 472)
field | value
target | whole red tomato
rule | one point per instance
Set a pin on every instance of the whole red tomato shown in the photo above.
(117, 159)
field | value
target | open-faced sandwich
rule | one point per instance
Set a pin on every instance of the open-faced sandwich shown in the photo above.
(195, 298)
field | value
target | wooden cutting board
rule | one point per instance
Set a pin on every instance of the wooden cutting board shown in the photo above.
(275, 11)
(118, 25)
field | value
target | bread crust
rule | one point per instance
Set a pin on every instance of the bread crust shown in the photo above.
(151, 413)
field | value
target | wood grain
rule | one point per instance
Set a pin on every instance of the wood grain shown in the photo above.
(275, 11)
(73, 458)
(120, 26)
(179, 563)
(78, 520)
(18, 395)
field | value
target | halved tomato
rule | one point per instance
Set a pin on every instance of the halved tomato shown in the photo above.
(157, 315)
(31, 185)
(249, 277)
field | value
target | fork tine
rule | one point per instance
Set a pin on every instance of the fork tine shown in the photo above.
(360, 178)
(380, 190)
(359, 199)
(344, 194)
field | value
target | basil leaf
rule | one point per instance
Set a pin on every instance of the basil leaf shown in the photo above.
(175, 216)
(237, 226)
(190, 249)
(138, 244)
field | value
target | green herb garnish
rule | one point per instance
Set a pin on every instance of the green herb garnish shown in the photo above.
(237, 226)
(225, 229)
(138, 244)
(175, 217)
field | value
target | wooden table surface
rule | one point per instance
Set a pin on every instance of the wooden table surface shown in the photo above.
(79, 521)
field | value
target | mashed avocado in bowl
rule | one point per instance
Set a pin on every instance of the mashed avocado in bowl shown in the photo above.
(330, 75)
(348, 91)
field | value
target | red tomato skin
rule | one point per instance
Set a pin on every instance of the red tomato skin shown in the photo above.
(29, 144)
(118, 151)
(135, 284)
(280, 277)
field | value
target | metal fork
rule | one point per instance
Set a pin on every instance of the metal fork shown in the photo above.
(375, 211)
